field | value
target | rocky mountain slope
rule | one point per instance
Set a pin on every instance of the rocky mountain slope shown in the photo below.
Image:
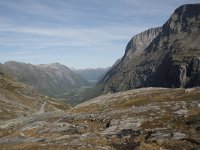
(161, 57)
(18, 100)
(147, 118)
(54, 80)
(92, 75)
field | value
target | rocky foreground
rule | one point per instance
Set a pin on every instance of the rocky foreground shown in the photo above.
(147, 118)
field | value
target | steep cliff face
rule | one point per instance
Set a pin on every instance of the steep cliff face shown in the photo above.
(161, 57)
(135, 47)
(179, 45)
(139, 42)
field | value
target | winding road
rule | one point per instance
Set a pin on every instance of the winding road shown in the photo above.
(42, 108)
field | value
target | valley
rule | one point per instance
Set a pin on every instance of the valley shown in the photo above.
(148, 100)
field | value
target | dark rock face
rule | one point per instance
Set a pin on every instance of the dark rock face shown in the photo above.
(161, 57)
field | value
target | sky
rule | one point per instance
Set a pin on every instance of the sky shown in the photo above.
(77, 33)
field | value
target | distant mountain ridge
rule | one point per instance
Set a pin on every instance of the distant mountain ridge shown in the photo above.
(92, 74)
(167, 56)
(50, 79)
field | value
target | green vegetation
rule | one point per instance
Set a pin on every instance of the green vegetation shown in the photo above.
(81, 95)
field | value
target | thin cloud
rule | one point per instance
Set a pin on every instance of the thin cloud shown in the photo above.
(87, 29)
(67, 36)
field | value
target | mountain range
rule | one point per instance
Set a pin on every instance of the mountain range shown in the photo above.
(54, 80)
(92, 74)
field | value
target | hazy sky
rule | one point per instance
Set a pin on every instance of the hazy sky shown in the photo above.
(77, 33)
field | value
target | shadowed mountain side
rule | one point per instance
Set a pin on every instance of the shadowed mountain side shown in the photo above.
(161, 57)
